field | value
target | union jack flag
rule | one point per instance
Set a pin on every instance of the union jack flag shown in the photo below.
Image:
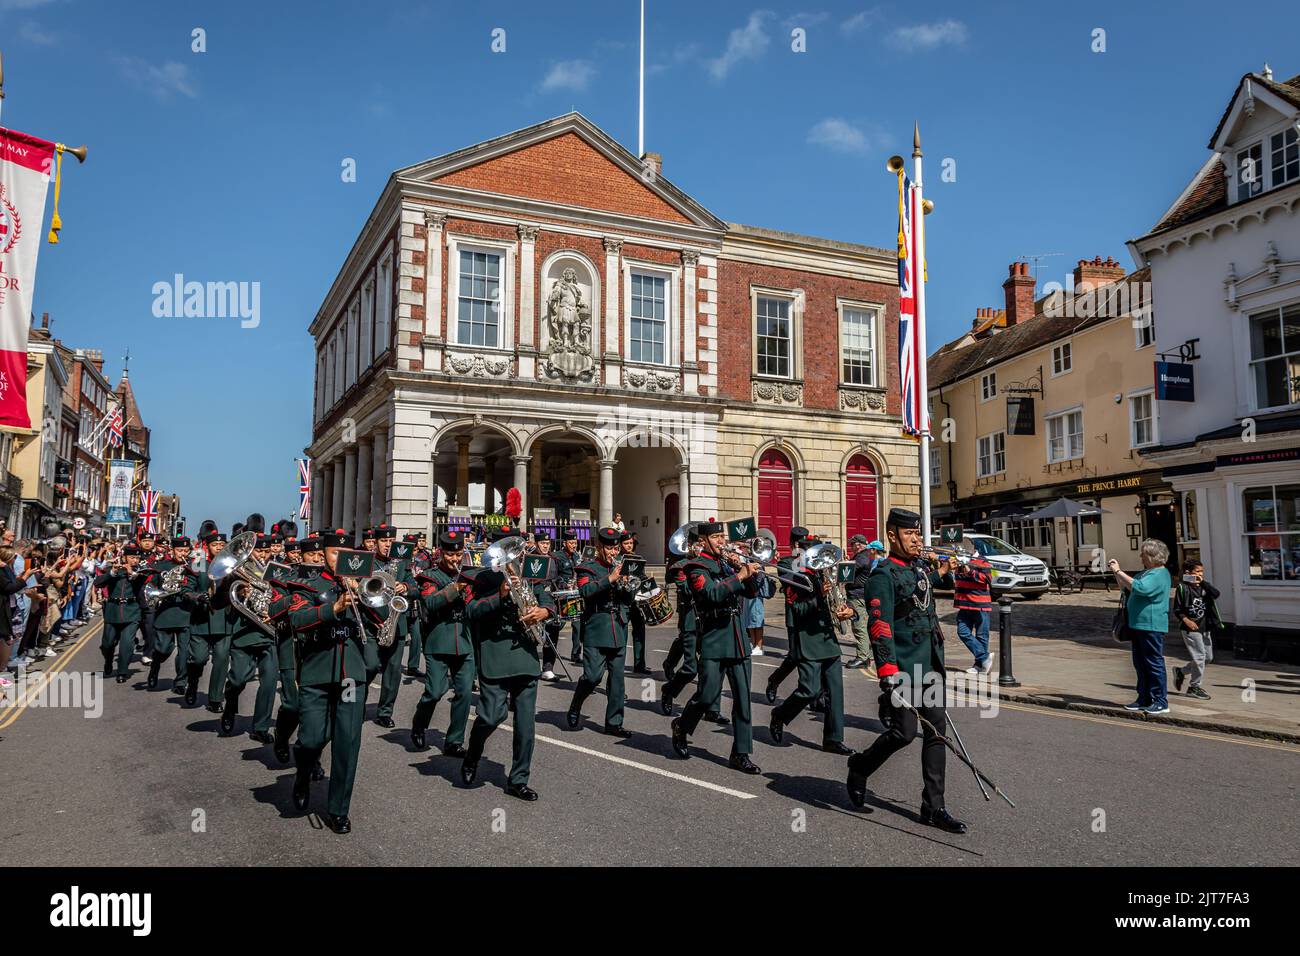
(911, 272)
(149, 510)
(115, 427)
(304, 489)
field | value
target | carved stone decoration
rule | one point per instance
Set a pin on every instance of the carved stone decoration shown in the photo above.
(480, 366)
(567, 351)
(866, 401)
(778, 393)
(649, 380)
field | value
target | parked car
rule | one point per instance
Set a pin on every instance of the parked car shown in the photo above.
(1014, 572)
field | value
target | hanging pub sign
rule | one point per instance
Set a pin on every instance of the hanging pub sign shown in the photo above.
(1174, 382)
(1020, 415)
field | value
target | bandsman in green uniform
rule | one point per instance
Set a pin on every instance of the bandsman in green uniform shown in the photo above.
(173, 615)
(555, 623)
(571, 557)
(209, 634)
(448, 649)
(908, 647)
(681, 664)
(606, 616)
(308, 560)
(718, 589)
(814, 643)
(417, 563)
(252, 648)
(121, 612)
(390, 657)
(800, 539)
(508, 667)
(628, 542)
(149, 555)
(331, 681)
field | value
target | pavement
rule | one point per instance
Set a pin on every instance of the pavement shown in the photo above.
(1063, 656)
(127, 776)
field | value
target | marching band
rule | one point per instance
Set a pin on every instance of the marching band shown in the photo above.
(315, 621)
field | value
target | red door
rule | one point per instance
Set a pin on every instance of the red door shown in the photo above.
(776, 497)
(861, 513)
(670, 522)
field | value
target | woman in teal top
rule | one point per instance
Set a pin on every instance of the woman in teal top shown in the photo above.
(1148, 620)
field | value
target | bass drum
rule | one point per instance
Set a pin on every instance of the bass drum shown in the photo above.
(654, 606)
(568, 605)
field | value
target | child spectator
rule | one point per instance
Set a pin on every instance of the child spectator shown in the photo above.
(1197, 612)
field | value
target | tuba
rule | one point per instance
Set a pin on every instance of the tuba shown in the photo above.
(249, 594)
(503, 556)
(820, 561)
(380, 591)
(173, 579)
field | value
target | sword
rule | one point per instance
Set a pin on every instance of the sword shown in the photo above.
(902, 703)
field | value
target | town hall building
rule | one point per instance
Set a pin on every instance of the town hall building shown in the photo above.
(546, 311)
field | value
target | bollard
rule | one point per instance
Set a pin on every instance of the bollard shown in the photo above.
(1005, 676)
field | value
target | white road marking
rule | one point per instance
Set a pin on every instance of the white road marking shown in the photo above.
(716, 788)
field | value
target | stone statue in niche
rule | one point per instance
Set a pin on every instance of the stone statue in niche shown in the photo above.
(568, 321)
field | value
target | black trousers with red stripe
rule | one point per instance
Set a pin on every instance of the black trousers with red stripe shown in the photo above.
(902, 730)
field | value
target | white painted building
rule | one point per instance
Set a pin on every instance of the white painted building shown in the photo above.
(1225, 272)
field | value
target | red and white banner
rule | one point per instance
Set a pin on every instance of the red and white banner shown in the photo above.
(25, 164)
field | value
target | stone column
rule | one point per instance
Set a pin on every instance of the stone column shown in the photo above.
(690, 259)
(433, 223)
(521, 482)
(336, 495)
(433, 499)
(348, 512)
(377, 502)
(613, 368)
(489, 482)
(320, 496)
(607, 490)
(365, 462)
(527, 294)
(684, 492)
(462, 470)
(593, 485)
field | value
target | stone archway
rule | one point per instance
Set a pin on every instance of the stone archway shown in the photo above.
(473, 466)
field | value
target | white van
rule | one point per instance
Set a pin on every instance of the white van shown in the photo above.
(1014, 572)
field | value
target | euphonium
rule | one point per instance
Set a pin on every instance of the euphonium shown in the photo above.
(501, 556)
(820, 560)
(173, 580)
(249, 594)
(380, 591)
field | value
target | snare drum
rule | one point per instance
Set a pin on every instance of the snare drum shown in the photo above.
(568, 605)
(654, 606)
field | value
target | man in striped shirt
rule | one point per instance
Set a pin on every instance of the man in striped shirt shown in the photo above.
(973, 603)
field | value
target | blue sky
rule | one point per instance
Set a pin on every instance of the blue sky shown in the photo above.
(225, 165)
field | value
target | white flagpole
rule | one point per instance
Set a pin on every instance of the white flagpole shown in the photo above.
(922, 376)
(640, 113)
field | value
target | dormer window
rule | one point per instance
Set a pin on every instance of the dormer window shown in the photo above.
(1250, 171)
(1284, 153)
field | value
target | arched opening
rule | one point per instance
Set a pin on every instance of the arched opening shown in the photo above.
(472, 469)
(776, 496)
(564, 475)
(646, 468)
(861, 499)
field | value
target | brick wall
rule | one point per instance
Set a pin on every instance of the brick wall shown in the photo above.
(818, 342)
(565, 169)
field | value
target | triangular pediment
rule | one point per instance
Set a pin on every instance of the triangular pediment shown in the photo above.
(567, 161)
(1256, 103)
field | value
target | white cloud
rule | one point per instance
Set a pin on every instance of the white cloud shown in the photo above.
(744, 43)
(682, 53)
(805, 20)
(162, 81)
(839, 135)
(928, 36)
(568, 75)
(860, 21)
(34, 35)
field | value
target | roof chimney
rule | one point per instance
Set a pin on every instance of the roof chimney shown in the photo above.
(654, 161)
(1090, 275)
(1019, 290)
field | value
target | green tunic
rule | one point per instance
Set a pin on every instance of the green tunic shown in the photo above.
(902, 621)
(503, 650)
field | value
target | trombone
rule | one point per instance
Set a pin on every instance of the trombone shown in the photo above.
(761, 550)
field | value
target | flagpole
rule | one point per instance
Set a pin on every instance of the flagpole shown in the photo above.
(640, 113)
(922, 376)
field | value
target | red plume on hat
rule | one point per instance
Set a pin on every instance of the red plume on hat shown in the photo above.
(514, 503)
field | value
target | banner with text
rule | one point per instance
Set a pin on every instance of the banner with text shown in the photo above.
(121, 475)
(25, 163)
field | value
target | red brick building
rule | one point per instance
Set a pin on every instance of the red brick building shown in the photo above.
(548, 312)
